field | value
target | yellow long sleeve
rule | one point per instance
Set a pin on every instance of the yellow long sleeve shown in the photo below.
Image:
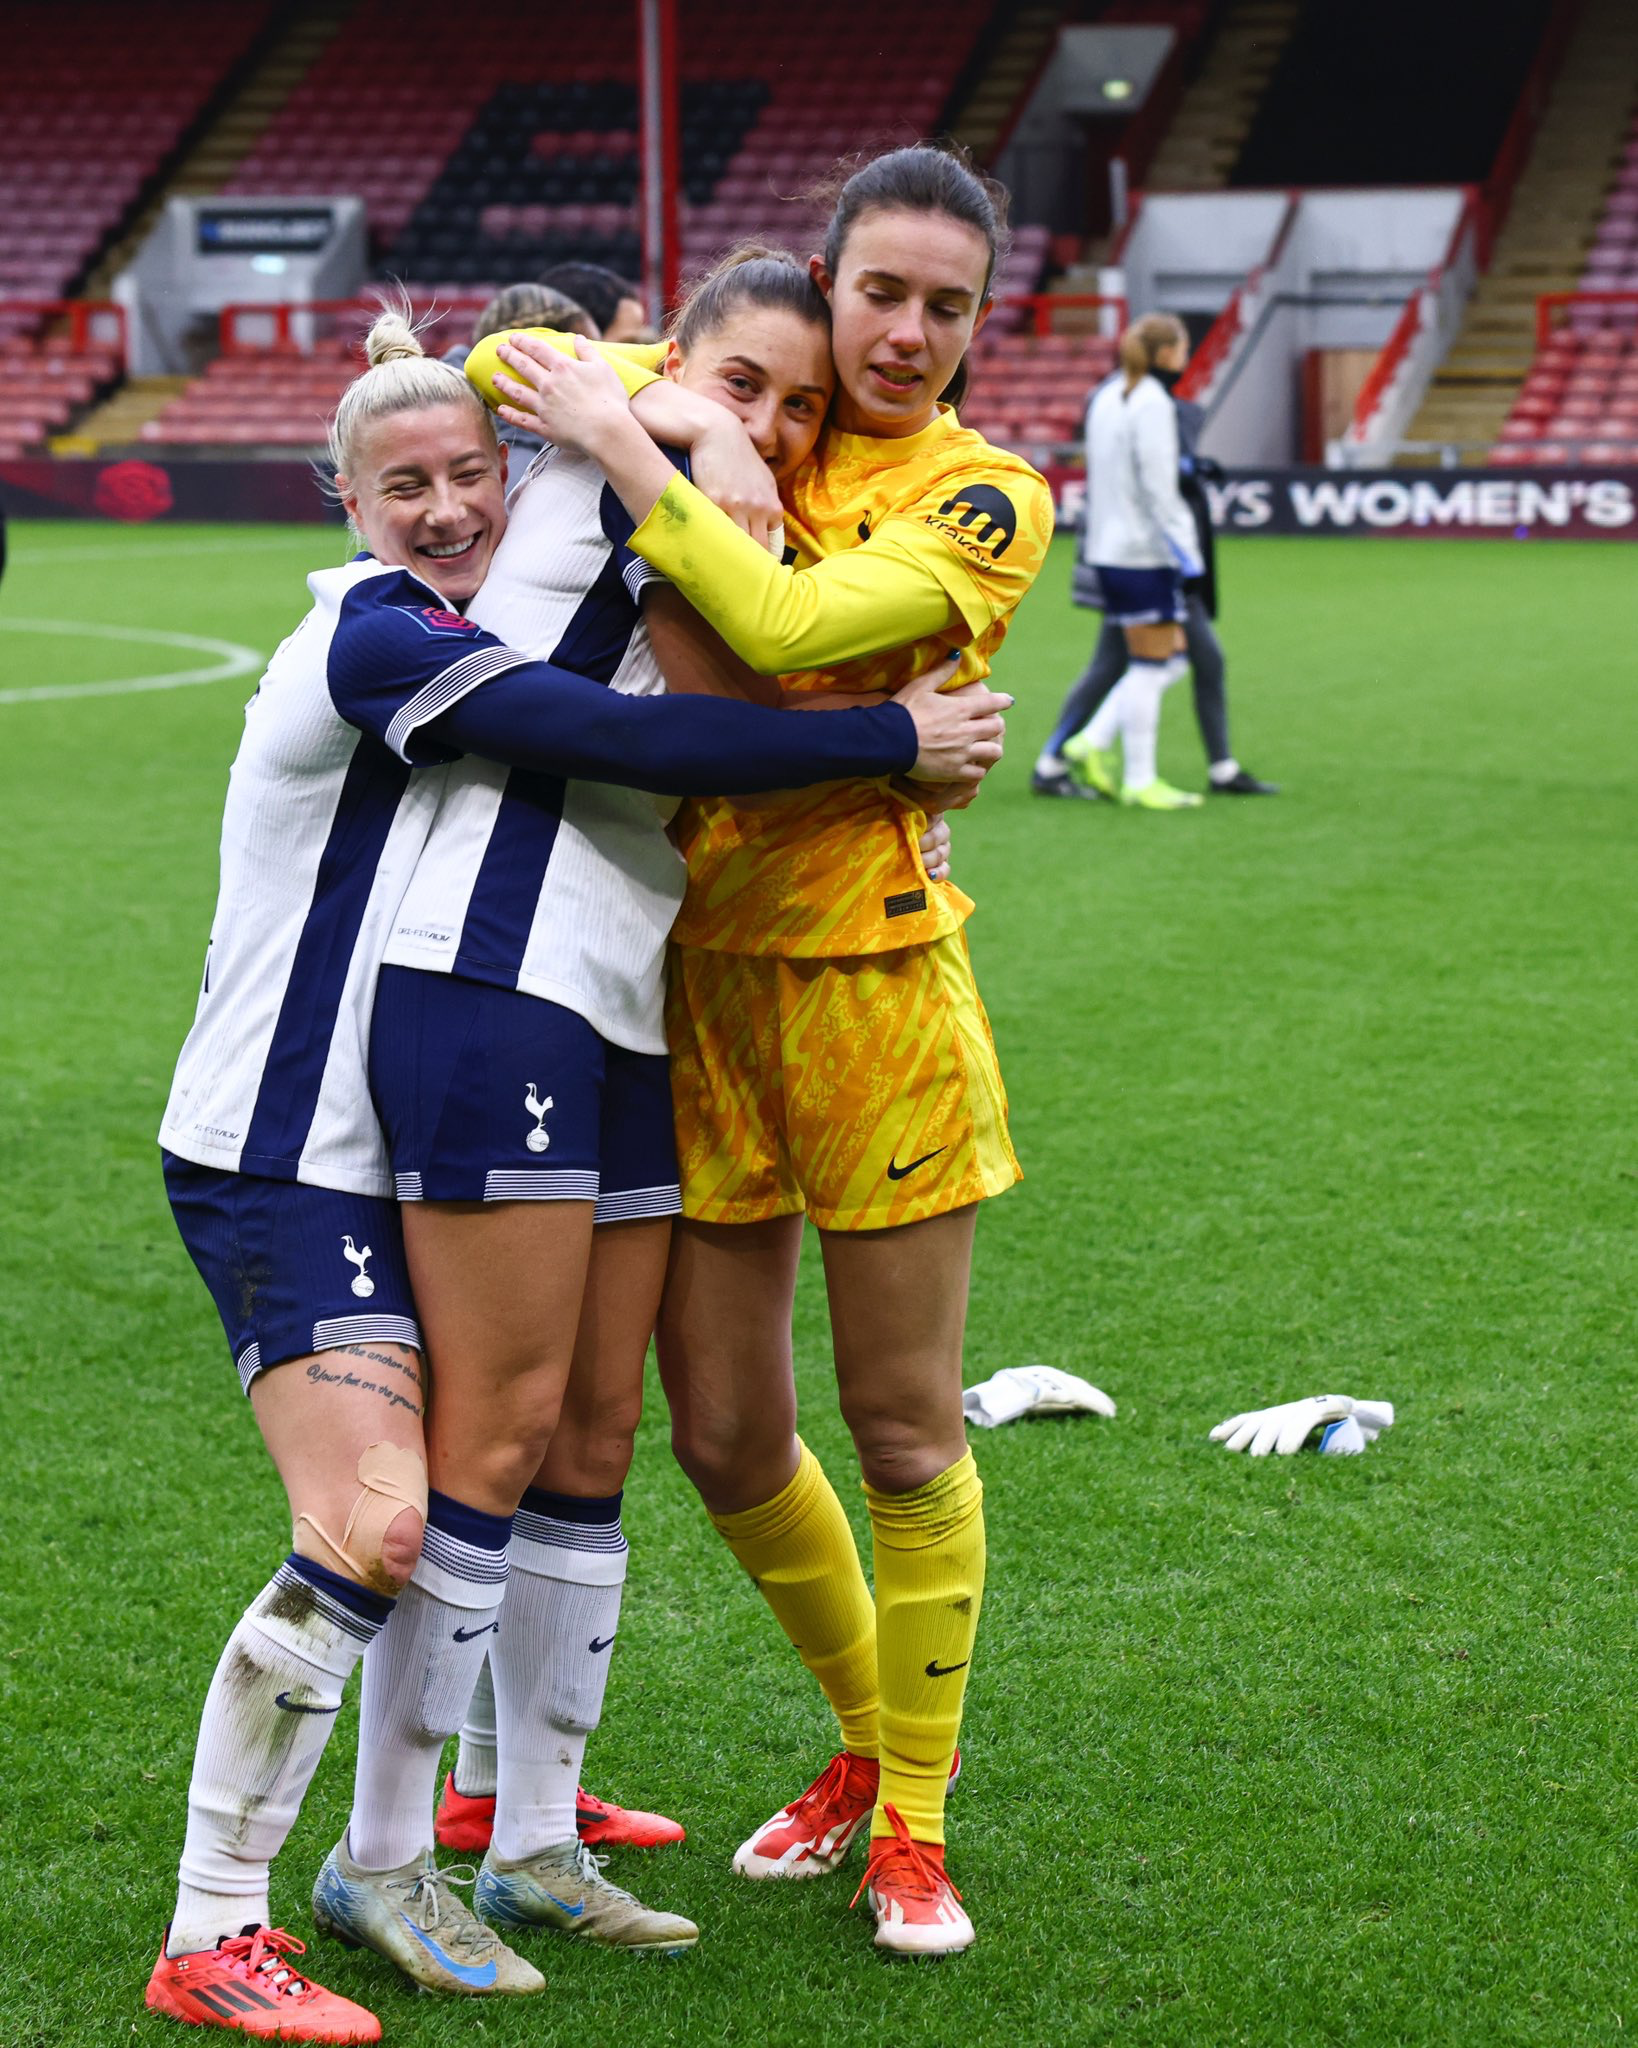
(885, 594)
(636, 366)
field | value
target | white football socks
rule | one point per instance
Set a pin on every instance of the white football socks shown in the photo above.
(475, 1759)
(268, 1715)
(1103, 728)
(1140, 691)
(550, 1664)
(418, 1677)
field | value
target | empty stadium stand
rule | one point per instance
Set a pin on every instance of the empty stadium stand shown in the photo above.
(91, 109)
(1564, 229)
(1579, 402)
(279, 397)
(1029, 391)
(1612, 260)
(46, 379)
(481, 163)
(455, 129)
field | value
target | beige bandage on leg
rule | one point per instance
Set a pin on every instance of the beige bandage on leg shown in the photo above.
(390, 1479)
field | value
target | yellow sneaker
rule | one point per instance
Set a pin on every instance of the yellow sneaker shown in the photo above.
(1098, 767)
(1160, 796)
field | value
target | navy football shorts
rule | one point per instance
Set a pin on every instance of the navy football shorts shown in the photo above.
(487, 1095)
(292, 1269)
(1141, 597)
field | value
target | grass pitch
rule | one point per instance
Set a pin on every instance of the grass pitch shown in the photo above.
(1333, 1090)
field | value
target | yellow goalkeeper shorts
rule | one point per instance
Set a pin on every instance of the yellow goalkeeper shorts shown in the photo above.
(865, 1090)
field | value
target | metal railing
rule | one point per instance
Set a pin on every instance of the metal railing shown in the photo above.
(1043, 305)
(1548, 301)
(300, 324)
(89, 320)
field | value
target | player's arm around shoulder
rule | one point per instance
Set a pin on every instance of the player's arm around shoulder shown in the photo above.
(637, 365)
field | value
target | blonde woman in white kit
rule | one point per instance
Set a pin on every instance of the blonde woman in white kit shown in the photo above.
(1140, 539)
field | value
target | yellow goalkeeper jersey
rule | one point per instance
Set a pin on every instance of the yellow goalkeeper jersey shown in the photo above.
(900, 553)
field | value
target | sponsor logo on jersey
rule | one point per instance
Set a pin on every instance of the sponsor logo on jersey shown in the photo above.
(981, 520)
(434, 619)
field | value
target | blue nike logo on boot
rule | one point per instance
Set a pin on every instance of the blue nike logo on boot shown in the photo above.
(479, 1976)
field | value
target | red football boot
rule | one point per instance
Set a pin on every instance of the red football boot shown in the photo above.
(246, 1985)
(813, 1834)
(467, 1823)
(918, 1911)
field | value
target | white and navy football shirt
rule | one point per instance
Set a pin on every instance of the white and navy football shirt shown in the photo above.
(330, 799)
(557, 887)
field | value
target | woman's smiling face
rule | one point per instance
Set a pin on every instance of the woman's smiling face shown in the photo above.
(772, 368)
(428, 493)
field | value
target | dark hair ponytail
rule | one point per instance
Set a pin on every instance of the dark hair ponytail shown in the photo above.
(924, 178)
(751, 274)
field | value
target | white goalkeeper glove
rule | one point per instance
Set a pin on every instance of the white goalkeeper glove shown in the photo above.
(1284, 1430)
(1032, 1390)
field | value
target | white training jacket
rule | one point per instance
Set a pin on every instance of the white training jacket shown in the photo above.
(1135, 514)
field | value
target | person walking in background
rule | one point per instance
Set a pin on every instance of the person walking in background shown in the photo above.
(1096, 690)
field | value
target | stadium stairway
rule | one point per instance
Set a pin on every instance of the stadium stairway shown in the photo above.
(118, 422)
(284, 55)
(1221, 101)
(1552, 221)
(1006, 73)
(517, 170)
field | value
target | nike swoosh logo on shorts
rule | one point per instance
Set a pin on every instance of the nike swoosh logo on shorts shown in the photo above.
(897, 1172)
(291, 1706)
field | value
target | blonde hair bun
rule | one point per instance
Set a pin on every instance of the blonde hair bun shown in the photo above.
(391, 340)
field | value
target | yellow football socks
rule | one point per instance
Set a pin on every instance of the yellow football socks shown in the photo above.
(800, 1553)
(929, 1583)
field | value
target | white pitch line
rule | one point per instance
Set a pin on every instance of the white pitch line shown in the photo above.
(233, 660)
(106, 551)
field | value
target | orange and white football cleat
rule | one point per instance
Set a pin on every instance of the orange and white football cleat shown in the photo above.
(918, 1911)
(467, 1822)
(246, 1984)
(812, 1835)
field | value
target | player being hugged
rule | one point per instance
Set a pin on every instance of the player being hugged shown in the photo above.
(829, 1050)
(278, 1172)
(518, 1061)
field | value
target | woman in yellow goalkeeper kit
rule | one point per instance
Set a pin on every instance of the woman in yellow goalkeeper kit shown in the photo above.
(829, 1051)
